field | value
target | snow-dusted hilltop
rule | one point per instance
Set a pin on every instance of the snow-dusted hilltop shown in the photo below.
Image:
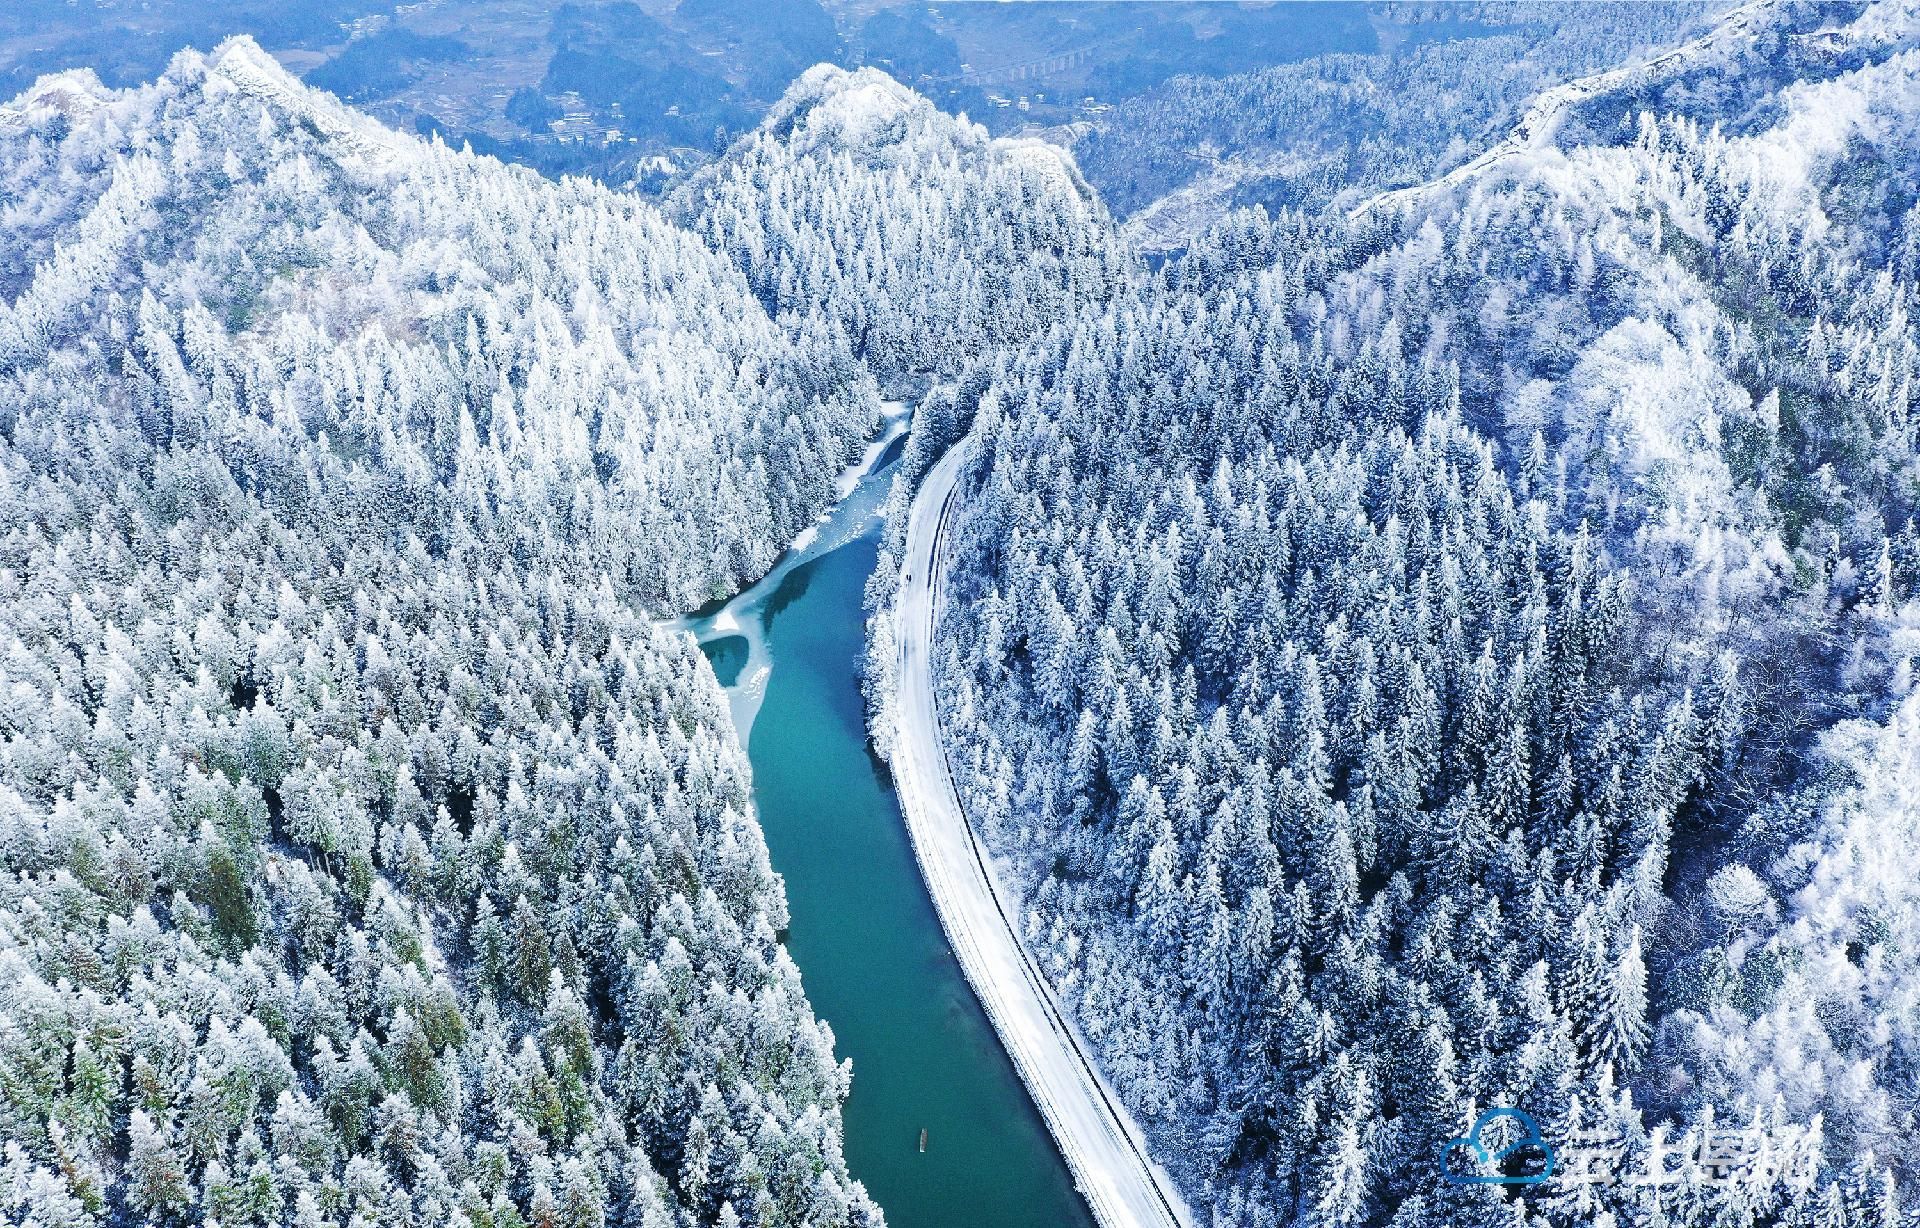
(515, 341)
(366, 856)
(921, 239)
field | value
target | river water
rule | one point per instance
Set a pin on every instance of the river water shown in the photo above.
(875, 962)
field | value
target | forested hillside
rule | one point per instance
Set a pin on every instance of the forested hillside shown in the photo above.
(1391, 654)
(1341, 127)
(923, 241)
(369, 857)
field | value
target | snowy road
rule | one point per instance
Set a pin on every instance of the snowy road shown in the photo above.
(1101, 1143)
(1536, 127)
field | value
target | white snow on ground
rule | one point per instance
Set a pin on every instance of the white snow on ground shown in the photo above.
(1102, 1145)
(241, 64)
(866, 102)
(1172, 221)
(1046, 160)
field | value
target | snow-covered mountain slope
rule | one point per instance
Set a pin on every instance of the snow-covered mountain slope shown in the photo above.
(1368, 642)
(366, 853)
(1814, 984)
(1333, 130)
(1732, 36)
(1753, 59)
(543, 342)
(913, 234)
(1708, 326)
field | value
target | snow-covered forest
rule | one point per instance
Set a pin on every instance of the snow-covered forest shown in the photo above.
(1391, 652)
(369, 855)
(925, 243)
(1410, 654)
(1342, 127)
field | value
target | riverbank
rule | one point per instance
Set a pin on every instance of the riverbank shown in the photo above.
(748, 664)
(1100, 1141)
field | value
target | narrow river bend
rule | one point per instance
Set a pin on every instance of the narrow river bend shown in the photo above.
(875, 961)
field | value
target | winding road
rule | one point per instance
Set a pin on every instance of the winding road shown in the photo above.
(1102, 1145)
(1536, 127)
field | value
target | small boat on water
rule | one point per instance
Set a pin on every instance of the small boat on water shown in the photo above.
(923, 1140)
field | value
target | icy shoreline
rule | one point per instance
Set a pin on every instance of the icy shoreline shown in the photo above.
(845, 519)
(1102, 1145)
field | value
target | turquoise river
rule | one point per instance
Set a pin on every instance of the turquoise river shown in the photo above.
(875, 962)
